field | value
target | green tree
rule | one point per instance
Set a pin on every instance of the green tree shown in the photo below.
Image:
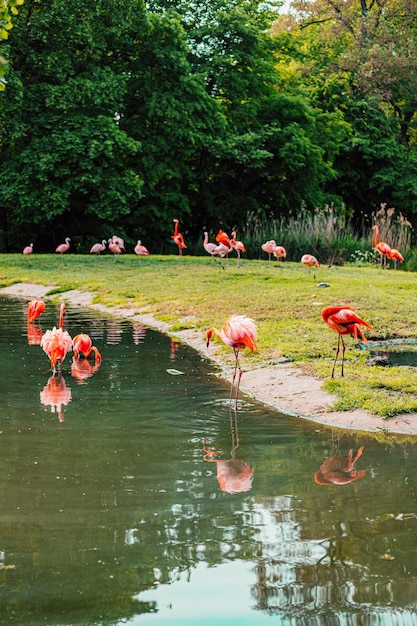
(66, 166)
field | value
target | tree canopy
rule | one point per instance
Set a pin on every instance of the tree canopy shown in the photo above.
(125, 114)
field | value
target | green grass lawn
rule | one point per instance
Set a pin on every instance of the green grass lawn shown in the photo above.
(283, 298)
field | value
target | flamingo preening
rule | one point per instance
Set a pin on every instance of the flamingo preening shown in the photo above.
(310, 261)
(279, 252)
(269, 247)
(115, 248)
(383, 248)
(238, 332)
(140, 249)
(344, 321)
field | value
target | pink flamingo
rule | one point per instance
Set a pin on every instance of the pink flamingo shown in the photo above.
(238, 246)
(98, 247)
(238, 332)
(344, 321)
(63, 247)
(35, 309)
(310, 261)
(178, 238)
(83, 346)
(339, 470)
(383, 248)
(119, 241)
(209, 247)
(141, 250)
(280, 252)
(395, 255)
(115, 248)
(223, 238)
(28, 249)
(269, 247)
(56, 343)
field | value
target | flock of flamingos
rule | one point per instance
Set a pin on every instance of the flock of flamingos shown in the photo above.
(238, 332)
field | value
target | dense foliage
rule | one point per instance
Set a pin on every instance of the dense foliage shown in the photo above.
(124, 115)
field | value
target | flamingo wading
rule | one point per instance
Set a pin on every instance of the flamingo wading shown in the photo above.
(238, 332)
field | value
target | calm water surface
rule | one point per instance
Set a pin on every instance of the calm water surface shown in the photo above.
(131, 495)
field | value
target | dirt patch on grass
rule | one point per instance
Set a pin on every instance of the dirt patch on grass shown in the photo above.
(284, 387)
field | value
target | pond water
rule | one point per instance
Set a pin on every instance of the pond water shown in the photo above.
(131, 494)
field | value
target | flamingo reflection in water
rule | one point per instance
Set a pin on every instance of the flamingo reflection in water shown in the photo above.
(339, 470)
(233, 475)
(82, 369)
(56, 394)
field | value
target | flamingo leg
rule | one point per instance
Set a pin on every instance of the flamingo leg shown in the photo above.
(337, 354)
(343, 352)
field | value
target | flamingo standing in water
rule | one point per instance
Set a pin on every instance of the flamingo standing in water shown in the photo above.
(279, 252)
(34, 332)
(141, 250)
(83, 346)
(344, 321)
(269, 247)
(56, 343)
(310, 261)
(383, 248)
(238, 332)
(28, 249)
(96, 248)
(178, 238)
(395, 255)
(63, 247)
(238, 246)
(35, 309)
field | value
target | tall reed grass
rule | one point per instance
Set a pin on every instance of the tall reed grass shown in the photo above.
(328, 234)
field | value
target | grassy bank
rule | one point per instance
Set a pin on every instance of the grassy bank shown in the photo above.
(283, 298)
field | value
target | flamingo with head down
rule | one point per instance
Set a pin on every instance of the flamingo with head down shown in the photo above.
(56, 343)
(344, 321)
(310, 261)
(238, 332)
(140, 249)
(83, 346)
(269, 247)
